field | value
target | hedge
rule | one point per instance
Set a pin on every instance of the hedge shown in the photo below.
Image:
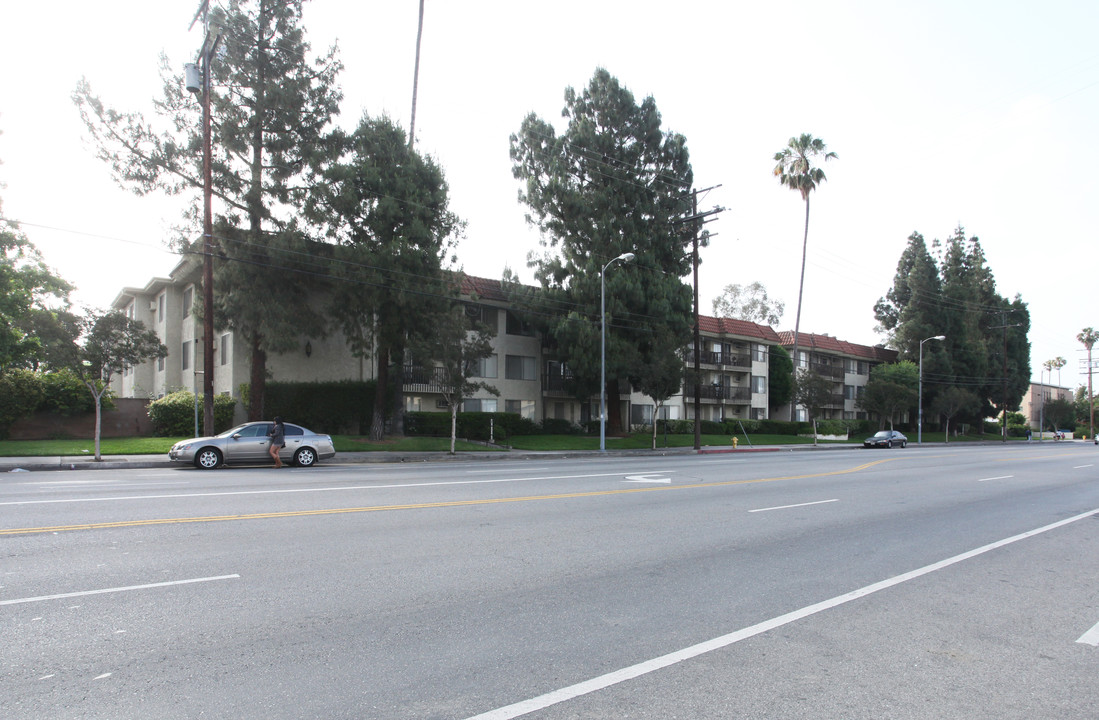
(334, 407)
(174, 414)
(470, 425)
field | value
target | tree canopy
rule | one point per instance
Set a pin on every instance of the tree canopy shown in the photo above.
(614, 181)
(748, 302)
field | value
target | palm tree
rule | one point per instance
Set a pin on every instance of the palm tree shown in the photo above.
(1087, 337)
(795, 170)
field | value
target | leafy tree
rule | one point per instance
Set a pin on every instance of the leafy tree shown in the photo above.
(795, 170)
(108, 343)
(271, 111)
(453, 350)
(952, 401)
(20, 395)
(748, 302)
(613, 182)
(780, 377)
(30, 295)
(812, 391)
(387, 210)
(660, 373)
(1059, 413)
(891, 390)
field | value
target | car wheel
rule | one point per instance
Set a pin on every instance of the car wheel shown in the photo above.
(889, 445)
(904, 444)
(305, 457)
(207, 458)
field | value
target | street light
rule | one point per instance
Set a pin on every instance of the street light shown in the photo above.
(624, 257)
(919, 422)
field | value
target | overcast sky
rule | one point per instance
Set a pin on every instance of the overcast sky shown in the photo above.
(943, 113)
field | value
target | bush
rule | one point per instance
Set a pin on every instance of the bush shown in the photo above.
(470, 425)
(20, 395)
(174, 415)
(66, 394)
(553, 426)
(334, 407)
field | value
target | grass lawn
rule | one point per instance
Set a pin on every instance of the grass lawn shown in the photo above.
(352, 443)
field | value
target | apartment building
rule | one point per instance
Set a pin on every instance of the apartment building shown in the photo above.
(847, 365)
(1037, 395)
(532, 382)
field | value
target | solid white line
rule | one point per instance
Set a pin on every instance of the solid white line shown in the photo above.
(1091, 637)
(1077, 467)
(784, 507)
(1002, 477)
(117, 589)
(315, 490)
(504, 470)
(628, 673)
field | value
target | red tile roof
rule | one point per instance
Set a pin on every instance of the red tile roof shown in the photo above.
(740, 328)
(835, 346)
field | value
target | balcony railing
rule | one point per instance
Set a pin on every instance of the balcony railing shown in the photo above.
(721, 393)
(419, 379)
(720, 359)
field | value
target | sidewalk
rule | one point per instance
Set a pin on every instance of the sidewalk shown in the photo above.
(118, 462)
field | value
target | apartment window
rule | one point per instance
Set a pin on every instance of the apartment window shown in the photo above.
(759, 384)
(160, 307)
(517, 326)
(479, 405)
(641, 414)
(759, 352)
(849, 392)
(224, 349)
(188, 301)
(520, 367)
(522, 408)
(160, 364)
(185, 355)
(486, 367)
(759, 413)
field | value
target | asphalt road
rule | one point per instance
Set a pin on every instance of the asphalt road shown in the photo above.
(917, 583)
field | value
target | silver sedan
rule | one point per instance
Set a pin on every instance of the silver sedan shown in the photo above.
(248, 443)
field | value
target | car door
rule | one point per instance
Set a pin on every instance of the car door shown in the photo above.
(294, 436)
(249, 445)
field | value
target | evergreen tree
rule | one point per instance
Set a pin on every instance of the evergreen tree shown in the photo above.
(386, 209)
(271, 112)
(612, 182)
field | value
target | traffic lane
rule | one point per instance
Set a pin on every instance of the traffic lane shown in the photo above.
(411, 605)
(997, 636)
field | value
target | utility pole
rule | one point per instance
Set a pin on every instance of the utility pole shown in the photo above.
(695, 217)
(205, 55)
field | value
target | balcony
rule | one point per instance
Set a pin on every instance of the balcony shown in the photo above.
(716, 359)
(419, 379)
(833, 372)
(737, 395)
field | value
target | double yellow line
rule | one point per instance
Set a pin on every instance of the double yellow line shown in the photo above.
(415, 506)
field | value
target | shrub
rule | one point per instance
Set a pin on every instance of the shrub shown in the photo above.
(470, 425)
(554, 426)
(174, 414)
(66, 394)
(20, 394)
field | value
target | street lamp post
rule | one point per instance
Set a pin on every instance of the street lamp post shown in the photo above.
(919, 421)
(624, 257)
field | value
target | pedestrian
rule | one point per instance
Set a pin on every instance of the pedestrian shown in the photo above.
(1028, 434)
(277, 433)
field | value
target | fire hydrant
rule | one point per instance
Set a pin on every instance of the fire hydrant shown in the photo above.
(735, 441)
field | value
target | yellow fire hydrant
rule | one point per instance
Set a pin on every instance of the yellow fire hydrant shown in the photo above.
(734, 443)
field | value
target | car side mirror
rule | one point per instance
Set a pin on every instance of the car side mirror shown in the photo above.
(236, 436)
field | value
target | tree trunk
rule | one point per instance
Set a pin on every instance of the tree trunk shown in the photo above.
(98, 423)
(258, 381)
(377, 420)
(453, 426)
(801, 290)
(614, 409)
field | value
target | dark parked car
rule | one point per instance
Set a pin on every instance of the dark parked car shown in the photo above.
(248, 443)
(885, 439)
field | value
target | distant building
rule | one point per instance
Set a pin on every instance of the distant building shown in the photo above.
(1037, 395)
(846, 364)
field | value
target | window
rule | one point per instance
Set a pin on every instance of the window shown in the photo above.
(849, 393)
(759, 384)
(160, 364)
(224, 349)
(485, 367)
(641, 414)
(486, 405)
(522, 408)
(759, 352)
(759, 413)
(160, 307)
(517, 326)
(185, 355)
(188, 301)
(520, 367)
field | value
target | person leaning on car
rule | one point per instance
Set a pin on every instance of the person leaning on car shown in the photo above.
(277, 433)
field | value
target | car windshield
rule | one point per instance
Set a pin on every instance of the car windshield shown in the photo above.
(234, 431)
(883, 434)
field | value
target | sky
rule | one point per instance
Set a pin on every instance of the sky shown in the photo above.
(942, 113)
